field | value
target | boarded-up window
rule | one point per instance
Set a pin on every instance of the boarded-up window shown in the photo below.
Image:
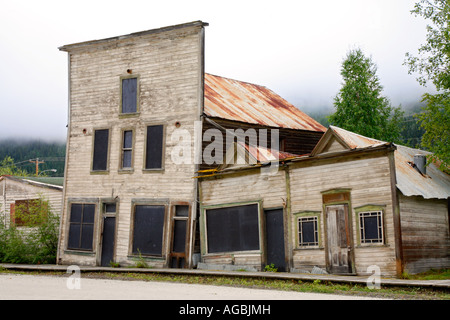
(100, 152)
(81, 226)
(148, 229)
(154, 147)
(129, 95)
(29, 213)
(233, 228)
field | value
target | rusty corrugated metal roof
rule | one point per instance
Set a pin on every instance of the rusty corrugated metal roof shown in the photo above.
(434, 184)
(246, 102)
(262, 154)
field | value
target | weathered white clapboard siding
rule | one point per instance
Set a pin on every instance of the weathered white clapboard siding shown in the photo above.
(368, 180)
(12, 190)
(271, 189)
(169, 68)
(241, 188)
(425, 233)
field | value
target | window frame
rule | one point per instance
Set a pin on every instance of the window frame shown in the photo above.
(163, 148)
(123, 169)
(144, 202)
(204, 227)
(69, 222)
(370, 209)
(137, 112)
(308, 215)
(106, 170)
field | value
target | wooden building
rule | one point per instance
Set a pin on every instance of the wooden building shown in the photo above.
(139, 108)
(353, 203)
(22, 191)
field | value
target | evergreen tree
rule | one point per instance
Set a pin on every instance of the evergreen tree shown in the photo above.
(433, 64)
(360, 107)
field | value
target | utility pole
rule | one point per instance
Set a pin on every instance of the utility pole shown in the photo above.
(37, 162)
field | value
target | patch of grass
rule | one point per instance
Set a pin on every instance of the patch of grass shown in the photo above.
(441, 274)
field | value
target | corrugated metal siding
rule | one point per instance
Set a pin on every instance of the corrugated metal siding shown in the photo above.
(246, 102)
(434, 185)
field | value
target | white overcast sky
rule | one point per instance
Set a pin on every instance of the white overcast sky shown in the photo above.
(293, 47)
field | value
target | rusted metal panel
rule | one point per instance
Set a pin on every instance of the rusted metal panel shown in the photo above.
(250, 103)
(262, 154)
(434, 184)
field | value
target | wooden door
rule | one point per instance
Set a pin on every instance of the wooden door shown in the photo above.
(338, 240)
(275, 239)
(109, 227)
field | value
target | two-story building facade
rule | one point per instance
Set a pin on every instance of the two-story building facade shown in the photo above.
(129, 189)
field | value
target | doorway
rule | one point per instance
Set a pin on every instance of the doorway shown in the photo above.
(109, 227)
(180, 236)
(275, 239)
(339, 244)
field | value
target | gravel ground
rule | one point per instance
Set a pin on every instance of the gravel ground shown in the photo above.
(31, 287)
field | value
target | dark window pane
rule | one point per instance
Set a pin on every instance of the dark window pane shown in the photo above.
(126, 162)
(87, 234)
(154, 151)
(371, 228)
(74, 236)
(179, 237)
(127, 139)
(129, 95)
(100, 149)
(182, 211)
(88, 213)
(308, 232)
(110, 207)
(75, 212)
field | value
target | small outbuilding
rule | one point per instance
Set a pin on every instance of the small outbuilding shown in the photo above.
(24, 191)
(352, 204)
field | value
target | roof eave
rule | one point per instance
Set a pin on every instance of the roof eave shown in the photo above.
(70, 47)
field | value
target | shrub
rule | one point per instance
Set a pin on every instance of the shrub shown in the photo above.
(36, 242)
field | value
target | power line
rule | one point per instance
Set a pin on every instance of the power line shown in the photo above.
(27, 162)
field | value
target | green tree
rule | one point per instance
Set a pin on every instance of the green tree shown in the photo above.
(360, 106)
(7, 167)
(433, 64)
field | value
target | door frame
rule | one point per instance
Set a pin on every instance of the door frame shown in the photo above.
(102, 216)
(187, 245)
(336, 197)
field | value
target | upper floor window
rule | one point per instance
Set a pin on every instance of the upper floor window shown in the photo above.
(127, 150)
(129, 88)
(100, 151)
(154, 149)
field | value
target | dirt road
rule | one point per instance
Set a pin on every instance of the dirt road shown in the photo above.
(18, 287)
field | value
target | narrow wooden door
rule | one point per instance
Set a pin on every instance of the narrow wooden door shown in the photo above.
(109, 227)
(275, 239)
(338, 239)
